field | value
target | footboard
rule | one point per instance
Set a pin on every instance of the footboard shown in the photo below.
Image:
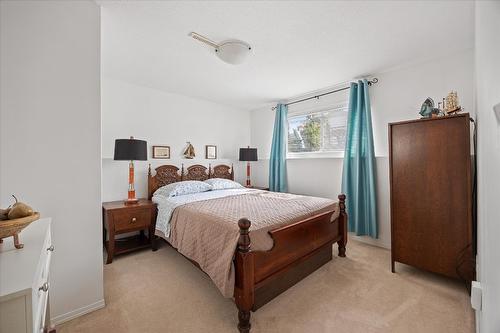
(299, 249)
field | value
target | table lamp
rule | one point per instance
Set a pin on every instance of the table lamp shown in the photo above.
(249, 155)
(130, 150)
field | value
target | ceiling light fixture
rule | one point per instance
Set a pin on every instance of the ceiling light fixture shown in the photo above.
(231, 51)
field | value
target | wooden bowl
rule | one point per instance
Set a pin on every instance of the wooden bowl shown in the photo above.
(11, 228)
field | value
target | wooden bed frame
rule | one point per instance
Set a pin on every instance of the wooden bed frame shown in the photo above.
(299, 248)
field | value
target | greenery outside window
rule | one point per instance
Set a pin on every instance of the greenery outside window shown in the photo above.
(321, 133)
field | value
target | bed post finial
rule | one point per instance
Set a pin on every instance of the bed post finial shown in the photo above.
(209, 170)
(342, 202)
(182, 171)
(342, 225)
(244, 239)
(150, 182)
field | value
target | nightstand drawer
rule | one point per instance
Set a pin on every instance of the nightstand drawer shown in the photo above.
(131, 219)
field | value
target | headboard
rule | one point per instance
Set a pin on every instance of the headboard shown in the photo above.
(167, 174)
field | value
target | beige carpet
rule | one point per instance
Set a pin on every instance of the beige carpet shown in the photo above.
(163, 292)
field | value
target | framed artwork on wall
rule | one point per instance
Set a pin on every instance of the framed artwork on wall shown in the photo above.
(162, 152)
(210, 152)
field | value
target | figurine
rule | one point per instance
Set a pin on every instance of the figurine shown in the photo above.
(452, 105)
(427, 110)
(189, 152)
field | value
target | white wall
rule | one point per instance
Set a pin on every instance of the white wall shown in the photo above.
(488, 95)
(50, 153)
(397, 96)
(163, 118)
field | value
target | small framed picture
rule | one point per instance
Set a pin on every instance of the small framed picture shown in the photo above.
(210, 152)
(161, 152)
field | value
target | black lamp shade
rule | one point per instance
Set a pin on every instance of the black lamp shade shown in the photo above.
(131, 150)
(248, 154)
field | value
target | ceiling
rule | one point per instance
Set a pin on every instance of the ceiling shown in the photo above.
(298, 46)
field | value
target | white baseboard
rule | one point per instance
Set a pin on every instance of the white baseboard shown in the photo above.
(77, 313)
(368, 240)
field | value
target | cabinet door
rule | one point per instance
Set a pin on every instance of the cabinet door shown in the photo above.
(431, 193)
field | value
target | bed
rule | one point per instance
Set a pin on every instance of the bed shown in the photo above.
(252, 250)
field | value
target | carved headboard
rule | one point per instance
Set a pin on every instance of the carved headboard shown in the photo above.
(167, 174)
(195, 172)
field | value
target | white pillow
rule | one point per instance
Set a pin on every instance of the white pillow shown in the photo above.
(183, 188)
(222, 184)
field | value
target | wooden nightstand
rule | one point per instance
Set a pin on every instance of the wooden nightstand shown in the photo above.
(264, 188)
(119, 218)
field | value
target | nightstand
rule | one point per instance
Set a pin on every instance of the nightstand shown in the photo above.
(119, 218)
(264, 188)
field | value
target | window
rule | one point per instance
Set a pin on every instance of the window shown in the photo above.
(318, 133)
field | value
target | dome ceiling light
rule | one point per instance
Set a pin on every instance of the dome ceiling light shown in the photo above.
(231, 51)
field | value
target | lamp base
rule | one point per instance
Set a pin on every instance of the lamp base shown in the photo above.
(249, 184)
(131, 201)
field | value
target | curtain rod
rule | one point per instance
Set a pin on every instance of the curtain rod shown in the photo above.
(370, 82)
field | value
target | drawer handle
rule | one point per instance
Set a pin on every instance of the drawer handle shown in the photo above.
(44, 287)
(51, 248)
(133, 220)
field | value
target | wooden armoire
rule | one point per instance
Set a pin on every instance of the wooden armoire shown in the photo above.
(431, 195)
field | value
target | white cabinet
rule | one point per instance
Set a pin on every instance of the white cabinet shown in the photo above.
(24, 280)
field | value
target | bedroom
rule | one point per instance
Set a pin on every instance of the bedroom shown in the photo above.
(78, 75)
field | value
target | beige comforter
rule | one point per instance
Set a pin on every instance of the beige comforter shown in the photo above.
(207, 231)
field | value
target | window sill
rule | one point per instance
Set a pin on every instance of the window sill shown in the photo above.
(305, 156)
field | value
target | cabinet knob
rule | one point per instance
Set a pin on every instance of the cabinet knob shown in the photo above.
(51, 248)
(44, 287)
(133, 220)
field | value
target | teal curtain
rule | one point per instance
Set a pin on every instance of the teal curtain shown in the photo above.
(358, 176)
(277, 160)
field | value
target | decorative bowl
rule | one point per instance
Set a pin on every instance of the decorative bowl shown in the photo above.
(12, 228)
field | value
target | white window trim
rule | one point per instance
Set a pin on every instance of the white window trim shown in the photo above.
(318, 109)
(312, 155)
(316, 154)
